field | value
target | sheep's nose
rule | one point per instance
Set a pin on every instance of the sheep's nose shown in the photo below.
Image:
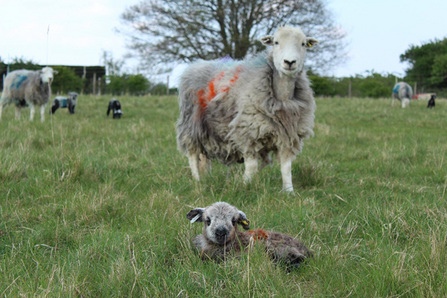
(289, 63)
(221, 235)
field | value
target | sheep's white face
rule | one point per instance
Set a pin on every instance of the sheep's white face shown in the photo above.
(289, 49)
(47, 75)
(220, 220)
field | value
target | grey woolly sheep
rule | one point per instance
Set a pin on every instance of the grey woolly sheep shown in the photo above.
(221, 236)
(402, 92)
(27, 88)
(69, 102)
(240, 111)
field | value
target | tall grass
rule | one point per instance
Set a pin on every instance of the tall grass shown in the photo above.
(95, 207)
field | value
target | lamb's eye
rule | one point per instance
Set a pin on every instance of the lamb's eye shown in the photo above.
(208, 221)
(276, 42)
(233, 221)
(303, 44)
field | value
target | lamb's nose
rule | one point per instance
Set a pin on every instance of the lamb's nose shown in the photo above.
(221, 232)
(289, 63)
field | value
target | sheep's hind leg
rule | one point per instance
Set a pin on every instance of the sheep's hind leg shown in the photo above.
(32, 112)
(1, 110)
(18, 109)
(251, 167)
(204, 164)
(286, 171)
(194, 165)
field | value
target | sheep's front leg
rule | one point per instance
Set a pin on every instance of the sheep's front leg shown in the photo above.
(1, 110)
(286, 171)
(194, 165)
(42, 113)
(251, 167)
(18, 109)
(32, 112)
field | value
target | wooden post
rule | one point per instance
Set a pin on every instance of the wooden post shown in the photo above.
(99, 86)
(167, 85)
(415, 88)
(94, 83)
(350, 89)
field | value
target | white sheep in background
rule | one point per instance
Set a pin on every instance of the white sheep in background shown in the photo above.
(241, 111)
(221, 237)
(402, 92)
(26, 87)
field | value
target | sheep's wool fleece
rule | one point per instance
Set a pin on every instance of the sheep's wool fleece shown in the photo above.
(228, 110)
(25, 85)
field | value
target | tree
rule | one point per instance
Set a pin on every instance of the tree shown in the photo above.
(166, 31)
(427, 63)
(66, 81)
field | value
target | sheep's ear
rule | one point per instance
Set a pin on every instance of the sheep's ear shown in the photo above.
(195, 215)
(243, 221)
(267, 40)
(55, 72)
(310, 42)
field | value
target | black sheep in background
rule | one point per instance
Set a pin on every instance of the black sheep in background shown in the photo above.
(115, 106)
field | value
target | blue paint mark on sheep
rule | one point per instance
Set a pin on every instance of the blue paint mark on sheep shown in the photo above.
(396, 89)
(18, 81)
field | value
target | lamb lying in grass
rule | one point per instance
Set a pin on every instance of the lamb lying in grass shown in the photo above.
(221, 236)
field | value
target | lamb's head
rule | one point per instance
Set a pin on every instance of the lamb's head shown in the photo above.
(289, 49)
(220, 220)
(47, 75)
(73, 96)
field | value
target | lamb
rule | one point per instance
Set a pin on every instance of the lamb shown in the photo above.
(431, 102)
(221, 237)
(402, 92)
(28, 88)
(115, 107)
(240, 111)
(69, 102)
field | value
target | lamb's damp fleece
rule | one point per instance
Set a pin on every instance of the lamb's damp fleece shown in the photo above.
(27, 88)
(221, 236)
(240, 111)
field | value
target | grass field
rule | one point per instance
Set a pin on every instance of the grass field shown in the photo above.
(95, 207)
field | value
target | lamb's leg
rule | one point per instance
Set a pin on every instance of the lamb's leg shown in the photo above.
(194, 165)
(42, 113)
(251, 167)
(32, 112)
(1, 110)
(286, 171)
(18, 112)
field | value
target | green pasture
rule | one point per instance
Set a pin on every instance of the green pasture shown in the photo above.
(95, 207)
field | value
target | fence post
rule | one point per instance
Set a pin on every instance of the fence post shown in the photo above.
(415, 88)
(167, 85)
(94, 83)
(350, 89)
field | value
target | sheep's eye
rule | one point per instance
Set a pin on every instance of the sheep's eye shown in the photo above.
(276, 42)
(303, 44)
(233, 221)
(208, 221)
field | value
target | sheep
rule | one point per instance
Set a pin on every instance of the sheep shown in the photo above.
(240, 111)
(431, 102)
(221, 237)
(402, 92)
(27, 88)
(115, 107)
(69, 102)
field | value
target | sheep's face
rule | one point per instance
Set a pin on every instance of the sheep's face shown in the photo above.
(47, 75)
(289, 49)
(220, 221)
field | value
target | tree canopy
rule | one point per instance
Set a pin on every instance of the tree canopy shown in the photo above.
(428, 63)
(167, 31)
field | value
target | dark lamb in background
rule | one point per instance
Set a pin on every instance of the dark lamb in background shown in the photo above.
(115, 107)
(69, 102)
(431, 102)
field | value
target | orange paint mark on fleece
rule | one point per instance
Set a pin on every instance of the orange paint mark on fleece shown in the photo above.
(258, 234)
(205, 95)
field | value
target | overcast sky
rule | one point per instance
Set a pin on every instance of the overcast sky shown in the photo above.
(378, 31)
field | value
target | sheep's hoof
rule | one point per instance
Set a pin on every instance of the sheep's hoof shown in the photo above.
(288, 190)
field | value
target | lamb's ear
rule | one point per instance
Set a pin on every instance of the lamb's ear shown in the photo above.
(267, 40)
(55, 72)
(195, 215)
(243, 221)
(310, 42)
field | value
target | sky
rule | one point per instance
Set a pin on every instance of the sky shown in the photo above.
(379, 31)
